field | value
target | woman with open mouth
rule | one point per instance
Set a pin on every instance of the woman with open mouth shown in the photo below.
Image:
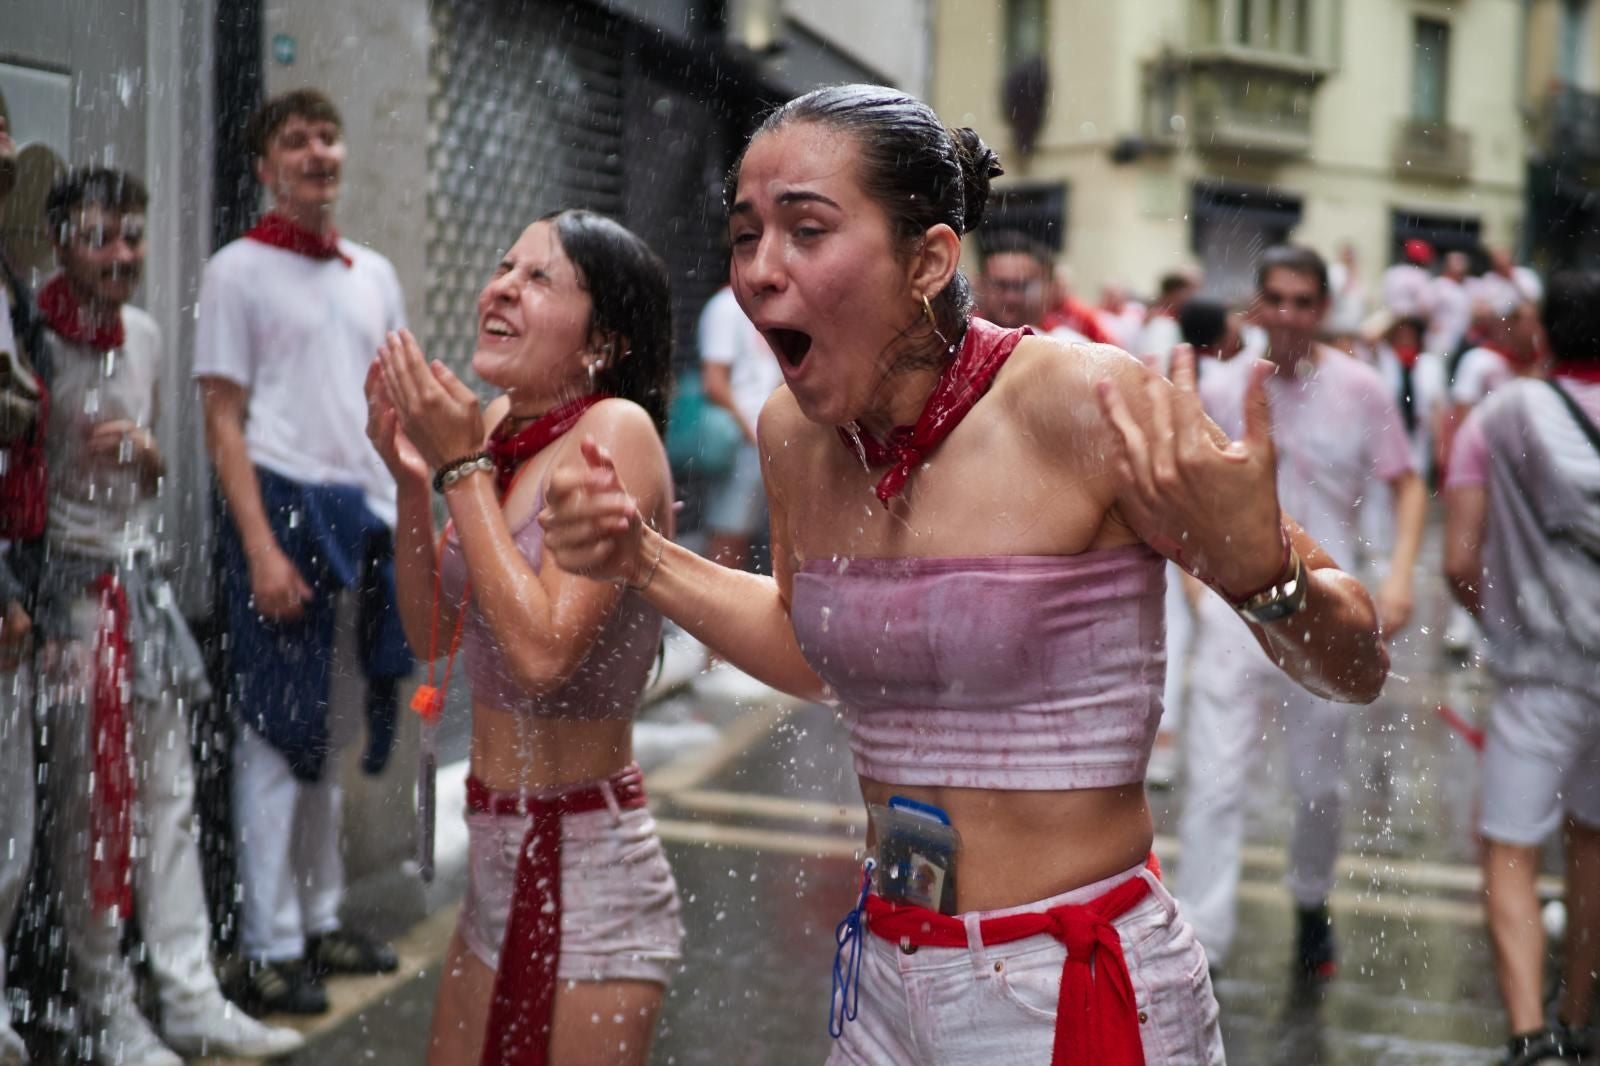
(968, 531)
(571, 912)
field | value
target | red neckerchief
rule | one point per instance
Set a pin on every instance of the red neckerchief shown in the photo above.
(279, 231)
(65, 314)
(965, 379)
(1589, 374)
(510, 450)
(1407, 355)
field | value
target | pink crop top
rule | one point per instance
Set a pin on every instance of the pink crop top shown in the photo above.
(1005, 672)
(608, 681)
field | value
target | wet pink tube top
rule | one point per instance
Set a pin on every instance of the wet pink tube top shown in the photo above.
(1004, 672)
(606, 683)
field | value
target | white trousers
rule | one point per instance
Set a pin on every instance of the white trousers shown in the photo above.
(16, 808)
(1233, 689)
(286, 831)
(168, 890)
(287, 837)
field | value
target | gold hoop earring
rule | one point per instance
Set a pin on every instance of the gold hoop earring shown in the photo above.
(593, 366)
(927, 312)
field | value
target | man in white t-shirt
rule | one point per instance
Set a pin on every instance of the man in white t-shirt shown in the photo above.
(290, 319)
(103, 585)
(1522, 552)
(1161, 332)
(1338, 437)
(1450, 302)
(738, 373)
(1505, 285)
(1406, 283)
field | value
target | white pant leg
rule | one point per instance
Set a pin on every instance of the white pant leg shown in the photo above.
(1315, 731)
(318, 863)
(94, 937)
(1221, 742)
(265, 795)
(16, 808)
(1180, 638)
(169, 892)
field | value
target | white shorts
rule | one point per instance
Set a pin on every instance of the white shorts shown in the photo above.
(997, 1003)
(619, 902)
(1542, 758)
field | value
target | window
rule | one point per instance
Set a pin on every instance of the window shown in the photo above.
(1027, 28)
(1572, 44)
(1040, 211)
(1299, 28)
(1430, 79)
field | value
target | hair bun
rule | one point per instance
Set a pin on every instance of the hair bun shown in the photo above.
(979, 166)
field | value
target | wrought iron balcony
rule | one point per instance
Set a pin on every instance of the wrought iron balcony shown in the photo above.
(1432, 151)
(1239, 107)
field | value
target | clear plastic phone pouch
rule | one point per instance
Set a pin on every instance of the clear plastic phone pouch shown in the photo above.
(917, 848)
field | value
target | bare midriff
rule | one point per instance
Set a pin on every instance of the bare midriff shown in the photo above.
(514, 751)
(1022, 847)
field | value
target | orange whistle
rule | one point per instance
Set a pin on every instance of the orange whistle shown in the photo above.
(428, 702)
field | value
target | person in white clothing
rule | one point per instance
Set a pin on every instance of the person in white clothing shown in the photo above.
(1522, 553)
(1450, 303)
(290, 317)
(1325, 466)
(738, 372)
(1406, 283)
(20, 342)
(1161, 332)
(1505, 284)
(121, 777)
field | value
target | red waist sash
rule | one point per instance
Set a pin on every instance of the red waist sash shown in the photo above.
(518, 1032)
(1097, 1023)
(111, 798)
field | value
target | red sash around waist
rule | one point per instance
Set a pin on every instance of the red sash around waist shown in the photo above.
(1097, 1023)
(111, 798)
(518, 1032)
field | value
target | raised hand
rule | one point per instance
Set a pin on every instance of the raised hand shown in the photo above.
(1208, 503)
(383, 430)
(591, 523)
(438, 413)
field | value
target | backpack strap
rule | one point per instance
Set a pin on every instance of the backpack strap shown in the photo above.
(1583, 420)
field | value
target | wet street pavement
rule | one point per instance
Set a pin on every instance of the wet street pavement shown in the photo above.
(758, 806)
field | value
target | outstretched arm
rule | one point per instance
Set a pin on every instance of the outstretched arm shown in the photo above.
(592, 527)
(1211, 506)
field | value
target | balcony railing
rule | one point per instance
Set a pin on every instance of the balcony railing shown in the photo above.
(1432, 151)
(1570, 125)
(1247, 108)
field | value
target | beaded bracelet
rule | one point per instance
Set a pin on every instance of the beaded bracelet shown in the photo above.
(453, 471)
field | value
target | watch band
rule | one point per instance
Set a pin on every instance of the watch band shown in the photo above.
(1279, 600)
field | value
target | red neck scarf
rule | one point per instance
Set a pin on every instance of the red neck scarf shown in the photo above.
(282, 232)
(1589, 373)
(965, 379)
(1407, 354)
(65, 314)
(510, 449)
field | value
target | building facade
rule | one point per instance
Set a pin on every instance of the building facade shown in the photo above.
(1177, 132)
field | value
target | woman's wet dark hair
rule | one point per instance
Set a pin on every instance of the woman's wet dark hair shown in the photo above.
(919, 171)
(632, 302)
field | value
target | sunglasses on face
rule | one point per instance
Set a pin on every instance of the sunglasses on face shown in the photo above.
(1302, 302)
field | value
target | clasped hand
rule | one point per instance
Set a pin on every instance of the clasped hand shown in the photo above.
(1207, 503)
(419, 414)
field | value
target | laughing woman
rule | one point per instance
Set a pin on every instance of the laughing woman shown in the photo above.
(571, 912)
(968, 526)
